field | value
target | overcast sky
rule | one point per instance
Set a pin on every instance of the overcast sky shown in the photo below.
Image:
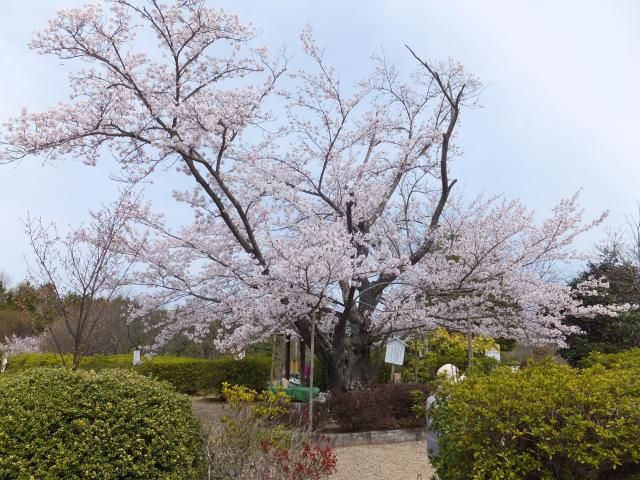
(560, 111)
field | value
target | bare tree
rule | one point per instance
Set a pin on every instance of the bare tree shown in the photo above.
(82, 272)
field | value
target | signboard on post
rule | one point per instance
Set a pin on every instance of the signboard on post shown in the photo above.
(5, 360)
(494, 353)
(136, 357)
(395, 352)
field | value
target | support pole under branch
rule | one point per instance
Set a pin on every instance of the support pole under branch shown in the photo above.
(311, 368)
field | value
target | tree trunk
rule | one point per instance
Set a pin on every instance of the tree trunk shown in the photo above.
(360, 371)
(347, 358)
(350, 370)
(76, 360)
(287, 357)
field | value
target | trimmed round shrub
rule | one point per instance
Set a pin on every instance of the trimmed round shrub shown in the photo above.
(116, 424)
(546, 421)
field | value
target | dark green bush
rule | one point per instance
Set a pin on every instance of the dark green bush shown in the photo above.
(191, 375)
(546, 421)
(187, 375)
(59, 424)
(252, 372)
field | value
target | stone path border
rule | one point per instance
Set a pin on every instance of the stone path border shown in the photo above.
(375, 437)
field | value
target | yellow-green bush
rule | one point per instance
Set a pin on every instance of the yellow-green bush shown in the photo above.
(627, 359)
(546, 421)
(443, 347)
(92, 362)
(187, 375)
(59, 424)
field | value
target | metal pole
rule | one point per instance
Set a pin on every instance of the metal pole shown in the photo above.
(303, 355)
(469, 341)
(311, 368)
(272, 374)
(287, 357)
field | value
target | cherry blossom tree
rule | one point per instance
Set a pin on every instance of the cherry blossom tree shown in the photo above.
(312, 200)
(16, 345)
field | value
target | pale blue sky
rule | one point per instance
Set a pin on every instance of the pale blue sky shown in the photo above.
(560, 111)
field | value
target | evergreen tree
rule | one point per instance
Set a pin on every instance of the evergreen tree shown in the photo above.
(603, 333)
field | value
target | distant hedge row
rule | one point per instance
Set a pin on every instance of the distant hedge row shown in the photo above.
(187, 375)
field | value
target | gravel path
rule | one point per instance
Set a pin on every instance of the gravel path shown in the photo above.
(397, 461)
(206, 410)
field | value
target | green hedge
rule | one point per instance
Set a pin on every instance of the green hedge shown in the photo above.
(546, 421)
(194, 375)
(187, 375)
(92, 362)
(112, 425)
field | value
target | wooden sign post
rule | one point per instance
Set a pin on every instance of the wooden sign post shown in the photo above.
(394, 354)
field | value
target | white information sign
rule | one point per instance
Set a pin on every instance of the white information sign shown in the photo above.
(395, 352)
(136, 357)
(493, 353)
(5, 360)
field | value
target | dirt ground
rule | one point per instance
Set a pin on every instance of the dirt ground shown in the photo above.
(207, 411)
(397, 461)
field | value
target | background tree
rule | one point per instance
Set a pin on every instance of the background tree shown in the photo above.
(4, 286)
(26, 311)
(80, 274)
(603, 333)
(16, 312)
(336, 206)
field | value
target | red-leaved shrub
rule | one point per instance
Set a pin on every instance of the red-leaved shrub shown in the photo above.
(375, 407)
(315, 461)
